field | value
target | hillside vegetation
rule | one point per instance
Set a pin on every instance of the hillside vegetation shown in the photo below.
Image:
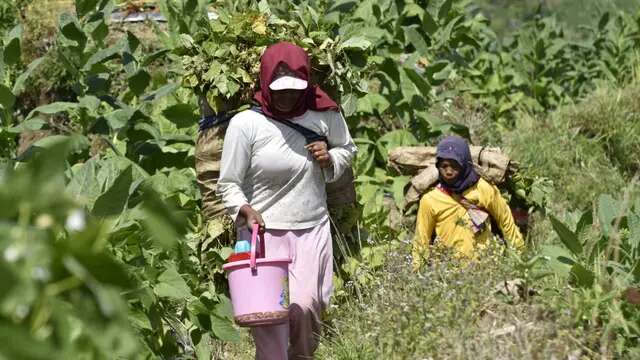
(105, 252)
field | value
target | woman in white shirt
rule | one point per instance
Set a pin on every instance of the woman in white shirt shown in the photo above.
(270, 175)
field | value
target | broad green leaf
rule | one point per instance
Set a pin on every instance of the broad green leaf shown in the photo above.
(412, 10)
(102, 266)
(161, 92)
(582, 276)
(182, 115)
(428, 23)
(140, 320)
(560, 259)
(447, 31)
(356, 42)
(604, 21)
(54, 108)
(418, 81)
(585, 220)
(18, 86)
(414, 38)
(608, 211)
(99, 31)
(149, 59)
(119, 118)
(35, 123)
(468, 40)
(407, 87)
(18, 343)
(349, 104)
(165, 225)
(83, 7)
(436, 72)
(394, 139)
(372, 103)
(568, 237)
(398, 186)
(58, 145)
(443, 12)
(84, 183)
(12, 50)
(224, 308)
(89, 102)
(203, 347)
(7, 99)
(113, 201)
(263, 7)
(139, 81)
(71, 30)
(103, 55)
(133, 43)
(223, 329)
(171, 285)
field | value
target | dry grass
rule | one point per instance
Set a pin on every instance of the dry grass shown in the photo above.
(449, 312)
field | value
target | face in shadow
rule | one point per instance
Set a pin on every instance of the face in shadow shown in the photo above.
(286, 100)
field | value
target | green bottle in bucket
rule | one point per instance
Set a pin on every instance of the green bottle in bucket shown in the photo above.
(259, 287)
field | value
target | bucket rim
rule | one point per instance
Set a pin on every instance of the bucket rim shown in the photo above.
(246, 263)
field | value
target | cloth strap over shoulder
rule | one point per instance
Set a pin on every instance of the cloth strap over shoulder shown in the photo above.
(223, 117)
(207, 122)
(340, 192)
(309, 135)
(477, 214)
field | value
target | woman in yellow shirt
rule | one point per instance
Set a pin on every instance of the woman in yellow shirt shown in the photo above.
(458, 208)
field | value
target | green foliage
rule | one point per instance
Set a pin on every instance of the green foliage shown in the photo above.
(603, 265)
(106, 202)
(449, 311)
(64, 296)
(8, 15)
(221, 58)
(540, 68)
(508, 15)
(139, 285)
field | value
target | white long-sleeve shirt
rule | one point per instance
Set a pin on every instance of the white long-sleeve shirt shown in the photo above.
(265, 164)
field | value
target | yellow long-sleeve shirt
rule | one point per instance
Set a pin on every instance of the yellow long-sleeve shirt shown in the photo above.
(441, 213)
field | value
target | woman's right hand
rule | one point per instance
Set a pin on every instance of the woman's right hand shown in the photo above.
(252, 217)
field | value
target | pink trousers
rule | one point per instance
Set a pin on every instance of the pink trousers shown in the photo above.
(310, 286)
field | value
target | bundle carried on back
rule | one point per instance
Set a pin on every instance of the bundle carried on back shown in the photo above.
(420, 162)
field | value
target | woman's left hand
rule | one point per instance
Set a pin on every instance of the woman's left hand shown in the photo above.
(320, 152)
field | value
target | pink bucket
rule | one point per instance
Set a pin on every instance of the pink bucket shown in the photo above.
(259, 288)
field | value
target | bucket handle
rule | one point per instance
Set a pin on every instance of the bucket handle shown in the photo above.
(254, 237)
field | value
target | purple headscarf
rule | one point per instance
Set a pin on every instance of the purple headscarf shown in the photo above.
(456, 148)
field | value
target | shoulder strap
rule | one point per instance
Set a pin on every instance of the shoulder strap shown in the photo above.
(309, 135)
(459, 198)
(210, 121)
(477, 214)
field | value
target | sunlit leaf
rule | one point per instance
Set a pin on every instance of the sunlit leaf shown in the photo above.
(172, 285)
(113, 201)
(568, 237)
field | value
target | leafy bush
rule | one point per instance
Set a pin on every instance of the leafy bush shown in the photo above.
(580, 147)
(447, 312)
(603, 267)
(540, 68)
(8, 15)
(140, 277)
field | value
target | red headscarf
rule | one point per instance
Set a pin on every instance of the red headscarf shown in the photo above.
(297, 60)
